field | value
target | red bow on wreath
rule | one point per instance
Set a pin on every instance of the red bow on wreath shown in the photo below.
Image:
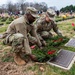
(73, 24)
(51, 52)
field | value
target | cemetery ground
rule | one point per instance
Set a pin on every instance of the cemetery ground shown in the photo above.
(8, 66)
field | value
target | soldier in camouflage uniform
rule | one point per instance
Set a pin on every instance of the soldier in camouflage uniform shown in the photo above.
(45, 23)
(16, 35)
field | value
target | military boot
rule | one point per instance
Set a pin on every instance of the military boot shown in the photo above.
(18, 60)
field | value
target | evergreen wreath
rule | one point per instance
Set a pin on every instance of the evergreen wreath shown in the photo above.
(51, 50)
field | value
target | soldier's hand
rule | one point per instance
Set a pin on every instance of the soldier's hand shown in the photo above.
(60, 34)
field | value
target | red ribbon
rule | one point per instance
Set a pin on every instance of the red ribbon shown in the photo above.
(51, 52)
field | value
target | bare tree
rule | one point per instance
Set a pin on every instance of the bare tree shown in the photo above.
(3, 8)
(22, 3)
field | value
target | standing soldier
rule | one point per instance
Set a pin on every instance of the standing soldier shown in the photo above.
(16, 35)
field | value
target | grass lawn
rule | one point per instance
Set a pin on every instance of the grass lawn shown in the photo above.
(43, 68)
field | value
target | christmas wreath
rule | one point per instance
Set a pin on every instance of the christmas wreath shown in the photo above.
(51, 50)
(58, 40)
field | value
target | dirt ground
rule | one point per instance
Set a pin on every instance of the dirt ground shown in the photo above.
(10, 68)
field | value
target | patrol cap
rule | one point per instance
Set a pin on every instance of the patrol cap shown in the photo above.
(51, 13)
(33, 11)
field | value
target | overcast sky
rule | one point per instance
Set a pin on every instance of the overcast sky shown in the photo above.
(58, 3)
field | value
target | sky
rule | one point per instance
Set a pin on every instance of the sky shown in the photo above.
(57, 3)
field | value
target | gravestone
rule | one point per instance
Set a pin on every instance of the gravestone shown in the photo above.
(71, 43)
(64, 59)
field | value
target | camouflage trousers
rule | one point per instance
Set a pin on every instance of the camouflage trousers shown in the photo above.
(17, 42)
(44, 35)
(32, 40)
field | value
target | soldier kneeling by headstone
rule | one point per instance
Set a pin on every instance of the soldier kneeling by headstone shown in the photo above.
(45, 23)
(16, 35)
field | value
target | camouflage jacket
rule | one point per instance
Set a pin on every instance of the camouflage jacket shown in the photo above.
(42, 25)
(21, 25)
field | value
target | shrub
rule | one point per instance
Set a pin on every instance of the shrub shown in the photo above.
(58, 19)
(3, 19)
(8, 22)
(1, 23)
(10, 19)
(74, 28)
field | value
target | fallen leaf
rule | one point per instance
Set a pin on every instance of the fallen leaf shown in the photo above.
(42, 69)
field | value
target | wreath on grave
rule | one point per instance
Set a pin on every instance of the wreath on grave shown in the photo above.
(51, 50)
(58, 40)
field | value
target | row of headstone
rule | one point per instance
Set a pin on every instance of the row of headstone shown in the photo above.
(65, 58)
(71, 42)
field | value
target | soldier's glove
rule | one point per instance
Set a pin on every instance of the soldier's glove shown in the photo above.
(60, 34)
